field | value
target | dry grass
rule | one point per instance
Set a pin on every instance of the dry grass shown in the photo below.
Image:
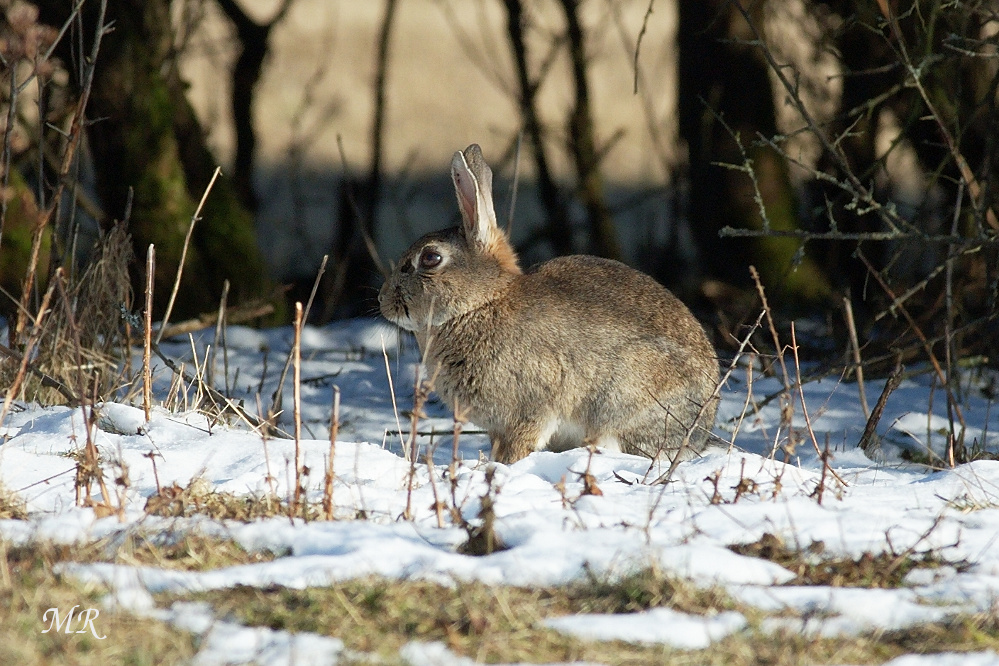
(28, 588)
(12, 506)
(505, 624)
(812, 566)
(375, 617)
(199, 498)
(483, 622)
(967, 503)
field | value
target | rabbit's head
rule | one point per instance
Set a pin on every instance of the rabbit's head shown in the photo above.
(451, 272)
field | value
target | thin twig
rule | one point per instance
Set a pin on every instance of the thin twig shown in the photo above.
(638, 42)
(183, 252)
(715, 396)
(804, 410)
(851, 327)
(297, 404)
(870, 442)
(369, 242)
(147, 333)
(395, 406)
(328, 505)
(922, 338)
(47, 380)
(516, 182)
(36, 333)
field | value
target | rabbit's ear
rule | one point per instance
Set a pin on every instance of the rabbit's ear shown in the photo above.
(473, 183)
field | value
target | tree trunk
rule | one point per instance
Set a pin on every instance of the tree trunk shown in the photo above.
(559, 231)
(582, 140)
(144, 136)
(720, 76)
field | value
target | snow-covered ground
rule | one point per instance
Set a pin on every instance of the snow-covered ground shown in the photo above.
(554, 532)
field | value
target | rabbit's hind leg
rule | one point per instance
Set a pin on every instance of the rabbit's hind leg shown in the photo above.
(517, 440)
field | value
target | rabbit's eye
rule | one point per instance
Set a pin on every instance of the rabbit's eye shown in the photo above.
(430, 258)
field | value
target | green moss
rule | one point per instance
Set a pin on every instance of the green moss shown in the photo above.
(15, 246)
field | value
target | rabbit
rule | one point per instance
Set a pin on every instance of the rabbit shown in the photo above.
(576, 351)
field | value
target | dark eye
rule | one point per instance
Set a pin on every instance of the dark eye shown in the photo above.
(430, 258)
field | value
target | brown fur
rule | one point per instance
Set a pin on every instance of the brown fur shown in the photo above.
(577, 350)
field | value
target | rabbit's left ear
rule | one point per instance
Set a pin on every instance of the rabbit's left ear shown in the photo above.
(473, 184)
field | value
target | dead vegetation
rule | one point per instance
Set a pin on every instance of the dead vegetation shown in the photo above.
(12, 505)
(198, 498)
(28, 588)
(813, 565)
(506, 624)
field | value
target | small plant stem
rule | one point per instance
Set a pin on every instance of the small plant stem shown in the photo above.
(787, 405)
(715, 395)
(869, 442)
(804, 410)
(950, 351)
(183, 253)
(297, 398)
(516, 182)
(36, 333)
(438, 505)
(328, 505)
(414, 425)
(941, 377)
(147, 334)
(219, 340)
(277, 400)
(851, 326)
(395, 407)
(267, 458)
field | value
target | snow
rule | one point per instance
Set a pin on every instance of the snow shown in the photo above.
(659, 625)
(554, 532)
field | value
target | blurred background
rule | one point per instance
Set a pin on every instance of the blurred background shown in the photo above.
(847, 150)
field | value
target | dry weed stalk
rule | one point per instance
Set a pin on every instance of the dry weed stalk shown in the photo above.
(824, 456)
(220, 339)
(395, 406)
(183, 253)
(858, 365)
(786, 404)
(460, 419)
(296, 349)
(590, 486)
(147, 334)
(482, 538)
(264, 432)
(73, 140)
(439, 504)
(870, 443)
(421, 392)
(328, 505)
(277, 399)
(36, 331)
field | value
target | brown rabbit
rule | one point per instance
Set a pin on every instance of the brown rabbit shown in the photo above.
(577, 350)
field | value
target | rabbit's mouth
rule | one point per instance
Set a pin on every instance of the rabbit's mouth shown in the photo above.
(393, 307)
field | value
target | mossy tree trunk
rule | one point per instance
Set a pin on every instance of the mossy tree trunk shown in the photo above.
(144, 136)
(720, 77)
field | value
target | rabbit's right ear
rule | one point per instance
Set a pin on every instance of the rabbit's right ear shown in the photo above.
(473, 182)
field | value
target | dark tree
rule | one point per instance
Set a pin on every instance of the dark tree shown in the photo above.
(724, 81)
(144, 137)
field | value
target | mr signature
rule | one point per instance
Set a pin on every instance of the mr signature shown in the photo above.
(87, 617)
